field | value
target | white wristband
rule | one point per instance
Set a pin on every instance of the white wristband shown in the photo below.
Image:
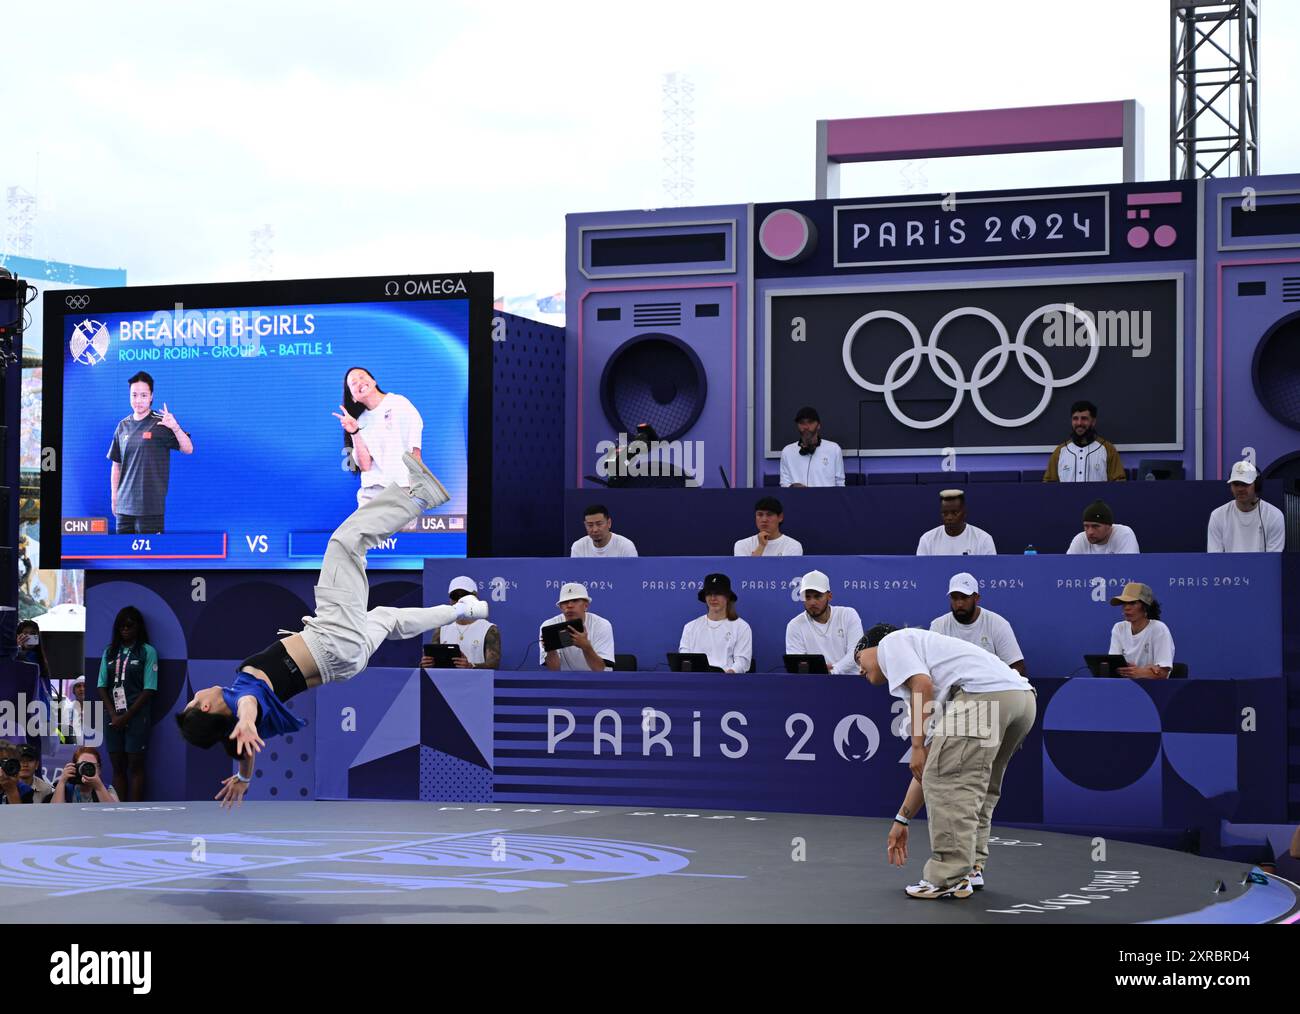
(900, 819)
(239, 777)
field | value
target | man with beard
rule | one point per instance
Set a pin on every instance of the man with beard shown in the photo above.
(823, 629)
(1085, 457)
(969, 621)
(811, 460)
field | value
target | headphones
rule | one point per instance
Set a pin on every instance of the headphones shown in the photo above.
(812, 449)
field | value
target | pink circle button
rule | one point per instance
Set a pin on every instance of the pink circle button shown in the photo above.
(1138, 237)
(787, 236)
(1166, 236)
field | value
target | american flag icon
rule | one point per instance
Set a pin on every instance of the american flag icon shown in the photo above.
(455, 524)
(99, 525)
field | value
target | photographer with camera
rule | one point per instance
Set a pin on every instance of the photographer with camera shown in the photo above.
(80, 781)
(29, 775)
(12, 789)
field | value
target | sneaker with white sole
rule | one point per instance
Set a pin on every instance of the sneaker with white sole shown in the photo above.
(424, 483)
(928, 891)
(471, 607)
(976, 878)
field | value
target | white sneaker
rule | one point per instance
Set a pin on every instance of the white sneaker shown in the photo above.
(976, 878)
(928, 891)
(471, 607)
(424, 483)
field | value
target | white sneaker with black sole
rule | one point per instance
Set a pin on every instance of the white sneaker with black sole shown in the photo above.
(928, 891)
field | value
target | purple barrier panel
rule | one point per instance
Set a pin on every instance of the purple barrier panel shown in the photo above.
(1058, 606)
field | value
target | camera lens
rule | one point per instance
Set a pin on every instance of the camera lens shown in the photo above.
(11, 766)
(86, 769)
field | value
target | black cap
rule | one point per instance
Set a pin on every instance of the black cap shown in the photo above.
(1099, 512)
(717, 584)
(807, 413)
(28, 752)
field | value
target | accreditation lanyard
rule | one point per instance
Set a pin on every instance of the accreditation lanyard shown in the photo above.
(119, 680)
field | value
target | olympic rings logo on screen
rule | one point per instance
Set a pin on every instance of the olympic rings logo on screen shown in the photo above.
(78, 302)
(947, 369)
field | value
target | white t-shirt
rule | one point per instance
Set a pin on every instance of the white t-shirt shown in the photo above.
(1122, 540)
(1082, 464)
(616, 546)
(728, 643)
(389, 431)
(1232, 530)
(833, 640)
(601, 634)
(1153, 645)
(948, 661)
(470, 637)
(780, 546)
(990, 631)
(824, 467)
(971, 542)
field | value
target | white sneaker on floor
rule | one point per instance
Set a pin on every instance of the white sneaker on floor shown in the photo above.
(471, 607)
(928, 891)
(424, 483)
(976, 878)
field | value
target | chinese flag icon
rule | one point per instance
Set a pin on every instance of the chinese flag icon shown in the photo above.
(98, 526)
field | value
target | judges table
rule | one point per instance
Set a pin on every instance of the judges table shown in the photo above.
(1058, 606)
(1104, 752)
(1168, 517)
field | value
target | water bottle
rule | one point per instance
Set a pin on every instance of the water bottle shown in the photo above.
(1031, 551)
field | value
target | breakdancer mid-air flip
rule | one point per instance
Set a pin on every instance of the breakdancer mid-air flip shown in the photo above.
(335, 644)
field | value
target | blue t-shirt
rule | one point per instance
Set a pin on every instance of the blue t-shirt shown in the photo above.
(273, 718)
(25, 794)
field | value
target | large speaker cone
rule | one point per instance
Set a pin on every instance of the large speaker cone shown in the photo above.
(1277, 371)
(655, 379)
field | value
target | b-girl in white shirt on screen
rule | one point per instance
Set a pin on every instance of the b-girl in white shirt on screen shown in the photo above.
(378, 428)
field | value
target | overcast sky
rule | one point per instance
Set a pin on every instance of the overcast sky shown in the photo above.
(392, 137)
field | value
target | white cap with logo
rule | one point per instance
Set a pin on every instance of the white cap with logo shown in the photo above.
(963, 584)
(1244, 471)
(814, 581)
(571, 591)
(462, 583)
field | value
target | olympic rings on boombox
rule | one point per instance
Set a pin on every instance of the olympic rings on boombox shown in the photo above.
(948, 370)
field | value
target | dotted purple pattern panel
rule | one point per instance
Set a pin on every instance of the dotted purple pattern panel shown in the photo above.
(528, 439)
(443, 778)
(286, 768)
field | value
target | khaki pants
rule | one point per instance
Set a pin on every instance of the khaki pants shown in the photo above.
(963, 776)
(343, 634)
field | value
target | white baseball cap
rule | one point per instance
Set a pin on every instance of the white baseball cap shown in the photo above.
(572, 590)
(815, 581)
(963, 584)
(951, 494)
(462, 583)
(1244, 471)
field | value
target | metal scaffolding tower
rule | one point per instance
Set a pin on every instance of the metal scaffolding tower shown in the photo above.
(1213, 88)
(261, 254)
(20, 208)
(679, 138)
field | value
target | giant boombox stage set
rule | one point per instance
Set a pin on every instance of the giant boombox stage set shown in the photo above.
(933, 333)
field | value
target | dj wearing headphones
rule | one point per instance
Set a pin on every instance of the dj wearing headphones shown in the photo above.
(810, 460)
